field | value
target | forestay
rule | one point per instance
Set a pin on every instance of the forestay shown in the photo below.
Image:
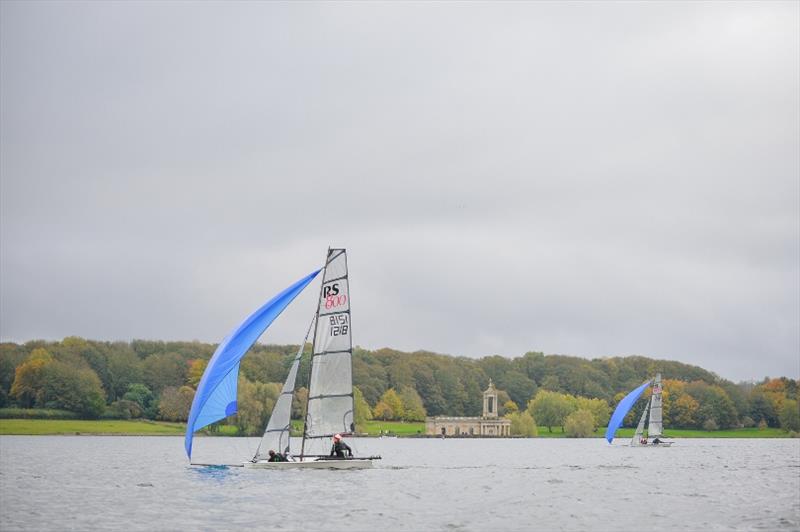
(330, 392)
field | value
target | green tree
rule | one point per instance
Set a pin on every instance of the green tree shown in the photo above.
(75, 389)
(363, 412)
(763, 407)
(601, 413)
(124, 369)
(264, 366)
(551, 408)
(123, 409)
(140, 394)
(790, 415)
(523, 424)
(164, 370)
(579, 424)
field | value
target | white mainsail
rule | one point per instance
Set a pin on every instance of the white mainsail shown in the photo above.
(276, 435)
(330, 390)
(655, 426)
(637, 436)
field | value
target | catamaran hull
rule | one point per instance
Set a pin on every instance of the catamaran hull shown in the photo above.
(313, 464)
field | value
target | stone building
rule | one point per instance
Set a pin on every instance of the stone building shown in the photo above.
(489, 424)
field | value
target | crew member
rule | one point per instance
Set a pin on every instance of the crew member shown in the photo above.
(339, 447)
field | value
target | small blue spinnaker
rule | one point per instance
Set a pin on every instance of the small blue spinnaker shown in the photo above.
(622, 410)
(215, 397)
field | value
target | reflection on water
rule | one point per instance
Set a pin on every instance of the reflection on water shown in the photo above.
(145, 483)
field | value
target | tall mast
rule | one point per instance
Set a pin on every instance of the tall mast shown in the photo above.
(311, 365)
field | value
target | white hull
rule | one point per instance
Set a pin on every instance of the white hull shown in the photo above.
(313, 464)
(662, 444)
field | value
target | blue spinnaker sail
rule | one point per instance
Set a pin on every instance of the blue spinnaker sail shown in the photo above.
(215, 397)
(622, 410)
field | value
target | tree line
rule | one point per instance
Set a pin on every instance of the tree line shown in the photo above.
(156, 380)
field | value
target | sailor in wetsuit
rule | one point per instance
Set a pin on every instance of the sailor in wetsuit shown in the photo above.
(339, 447)
(275, 457)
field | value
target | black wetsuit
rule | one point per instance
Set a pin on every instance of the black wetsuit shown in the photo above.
(276, 458)
(339, 448)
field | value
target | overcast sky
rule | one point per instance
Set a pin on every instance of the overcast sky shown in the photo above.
(592, 179)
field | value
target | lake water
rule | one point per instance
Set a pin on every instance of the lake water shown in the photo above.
(145, 483)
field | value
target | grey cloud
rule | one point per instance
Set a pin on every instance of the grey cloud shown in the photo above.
(594, 179)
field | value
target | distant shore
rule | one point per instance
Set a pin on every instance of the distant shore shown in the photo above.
(72, 427)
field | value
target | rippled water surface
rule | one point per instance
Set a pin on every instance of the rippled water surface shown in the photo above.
(145, 483)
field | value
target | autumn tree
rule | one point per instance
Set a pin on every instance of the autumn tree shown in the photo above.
(683, 412)
(389, 407)
(195, 371)
(29, 380)
(175, 403)
(413, 410)
(510, 407)
(299, 401)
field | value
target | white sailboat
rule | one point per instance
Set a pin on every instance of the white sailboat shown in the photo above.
(655, 427)
(329, 407)
(652, 413)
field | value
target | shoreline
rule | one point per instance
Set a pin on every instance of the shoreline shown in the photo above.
(52, 427)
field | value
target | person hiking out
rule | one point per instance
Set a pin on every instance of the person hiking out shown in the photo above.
(339, 447)
(275, 457)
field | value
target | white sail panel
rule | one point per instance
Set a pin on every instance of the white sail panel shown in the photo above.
(655, 427)
(335, 296)
(333, 333)
(329, 416)
(337, 265)
(330, 390)
(332, 375)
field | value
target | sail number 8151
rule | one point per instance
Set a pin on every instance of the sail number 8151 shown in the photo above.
(339, 325)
